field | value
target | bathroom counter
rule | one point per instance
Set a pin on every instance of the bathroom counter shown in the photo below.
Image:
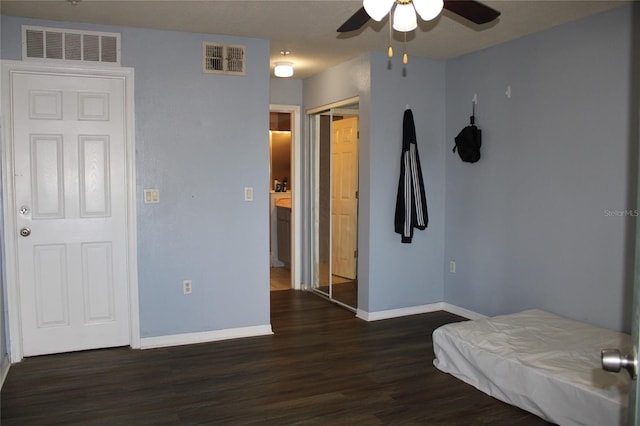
(284, 202)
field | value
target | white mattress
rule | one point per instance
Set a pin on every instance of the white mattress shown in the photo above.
(540, 362)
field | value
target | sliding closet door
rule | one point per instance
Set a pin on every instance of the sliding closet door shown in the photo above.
(334, 176)
(321, 184)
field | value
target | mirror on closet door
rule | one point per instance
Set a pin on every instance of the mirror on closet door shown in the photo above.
(334, 177)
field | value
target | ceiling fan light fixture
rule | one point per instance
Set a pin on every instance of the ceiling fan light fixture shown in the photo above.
(378, 9)
(283, 69)
(428, 9)
(404, 18)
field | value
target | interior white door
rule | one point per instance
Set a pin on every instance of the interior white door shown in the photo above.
(634, 390)
(344, 203)
(70, 177)
(633, 416)
(615, 361)
(634, 395)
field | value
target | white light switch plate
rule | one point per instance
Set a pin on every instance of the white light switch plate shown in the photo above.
(248, 193)
(151, 196)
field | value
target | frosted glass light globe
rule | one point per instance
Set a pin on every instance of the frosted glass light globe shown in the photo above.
(428, 9)
(404, 18)
(378, 9)
(283, 69)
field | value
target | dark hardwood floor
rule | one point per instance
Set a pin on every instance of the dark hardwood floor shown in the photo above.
(344, 291)
(321, 366)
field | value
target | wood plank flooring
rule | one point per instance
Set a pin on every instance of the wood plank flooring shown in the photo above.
(321, 366)
(345, 292)
(280, 279)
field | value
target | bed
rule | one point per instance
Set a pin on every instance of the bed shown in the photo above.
(540, 362)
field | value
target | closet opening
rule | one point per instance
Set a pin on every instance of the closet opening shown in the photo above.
(334, 202)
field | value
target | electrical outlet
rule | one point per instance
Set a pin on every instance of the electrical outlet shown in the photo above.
(452, 266)
(186, 286)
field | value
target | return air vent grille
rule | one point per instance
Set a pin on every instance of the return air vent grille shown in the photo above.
(40, 43)
(222, 59)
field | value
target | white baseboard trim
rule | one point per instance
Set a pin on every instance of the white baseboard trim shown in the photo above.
(4, 369)
(204, 337)
(457, 310)
(401, 312)
(414, 310)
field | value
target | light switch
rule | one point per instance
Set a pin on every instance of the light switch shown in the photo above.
(248, 193)
(151, 196)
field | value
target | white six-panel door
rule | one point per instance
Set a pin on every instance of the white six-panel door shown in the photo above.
(344, 203)
(71, 211)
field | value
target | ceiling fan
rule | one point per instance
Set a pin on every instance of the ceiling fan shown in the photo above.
(405, 12)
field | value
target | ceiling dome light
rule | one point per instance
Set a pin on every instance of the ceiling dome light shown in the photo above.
(378, 9)
(428, 9)
(283, 69)
(404, 18)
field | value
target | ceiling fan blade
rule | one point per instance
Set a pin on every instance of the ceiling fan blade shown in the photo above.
(472, 10)
(355, 22)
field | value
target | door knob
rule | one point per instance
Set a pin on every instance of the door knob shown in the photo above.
(25, 232)
(612, 360)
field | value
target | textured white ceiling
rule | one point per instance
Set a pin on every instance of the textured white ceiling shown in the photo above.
(307, 28)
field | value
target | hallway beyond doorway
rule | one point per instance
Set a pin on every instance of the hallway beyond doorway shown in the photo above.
(280, 279)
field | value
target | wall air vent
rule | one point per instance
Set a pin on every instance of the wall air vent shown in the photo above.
(222, 59)
(56, 44)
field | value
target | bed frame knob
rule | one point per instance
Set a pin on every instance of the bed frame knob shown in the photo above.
(612, 360)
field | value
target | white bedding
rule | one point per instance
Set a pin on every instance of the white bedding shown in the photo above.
(540, 362)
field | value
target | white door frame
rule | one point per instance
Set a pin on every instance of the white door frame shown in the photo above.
(296, 162)
(10, 68)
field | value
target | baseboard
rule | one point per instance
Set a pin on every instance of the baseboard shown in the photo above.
(401, 312)
(204, 337)
(457, 310)
(4, 369)
(275, 262)
(414, 310)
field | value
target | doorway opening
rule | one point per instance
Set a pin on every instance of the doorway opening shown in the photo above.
(334, 202)
(284, 196)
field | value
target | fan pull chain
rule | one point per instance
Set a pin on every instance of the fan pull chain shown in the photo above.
(390, 51)
(405, 58)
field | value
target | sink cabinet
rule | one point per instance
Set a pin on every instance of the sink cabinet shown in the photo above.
(284, 235)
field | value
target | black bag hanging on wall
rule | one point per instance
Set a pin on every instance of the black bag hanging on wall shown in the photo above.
(469, 141)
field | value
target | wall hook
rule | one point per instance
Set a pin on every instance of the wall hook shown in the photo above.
(473, 113)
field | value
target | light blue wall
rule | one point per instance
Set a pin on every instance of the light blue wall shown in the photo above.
(393, 275)
(285, 91)
(200, 139)
(404, 275)
(533, 224)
